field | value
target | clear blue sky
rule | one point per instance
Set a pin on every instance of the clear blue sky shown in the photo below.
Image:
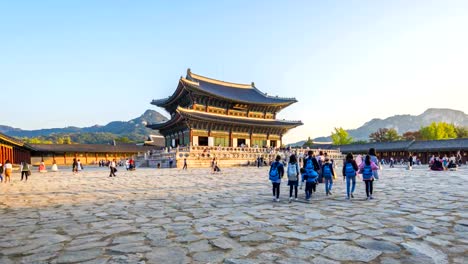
(80, 63)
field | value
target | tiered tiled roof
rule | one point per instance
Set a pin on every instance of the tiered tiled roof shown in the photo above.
(240, 93)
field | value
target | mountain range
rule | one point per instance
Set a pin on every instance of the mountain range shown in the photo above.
(405, 123)
(135, 130)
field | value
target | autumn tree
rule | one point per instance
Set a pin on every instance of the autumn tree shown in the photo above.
(412, 135)
(440, 130)
(341, 137)
(384, 135)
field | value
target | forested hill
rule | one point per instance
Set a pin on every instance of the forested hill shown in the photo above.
(405, 123)
(127, 131)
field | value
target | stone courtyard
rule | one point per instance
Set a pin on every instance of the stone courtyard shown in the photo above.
(175, 216)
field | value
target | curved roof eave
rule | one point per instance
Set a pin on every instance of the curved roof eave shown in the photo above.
(279, 102)
(165, 101)
(242, 120)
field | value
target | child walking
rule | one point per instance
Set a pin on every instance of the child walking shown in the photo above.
(8, 169)
(349, 172)
(275, 175)
(367, 169)
(327, 173)
(293, 176)
(25, 170)
(311, 167)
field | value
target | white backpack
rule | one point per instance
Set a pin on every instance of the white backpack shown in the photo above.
(292, 171)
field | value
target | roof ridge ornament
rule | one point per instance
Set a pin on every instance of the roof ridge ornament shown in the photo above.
(253, 84)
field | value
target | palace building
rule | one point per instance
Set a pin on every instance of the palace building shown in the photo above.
(209, 112)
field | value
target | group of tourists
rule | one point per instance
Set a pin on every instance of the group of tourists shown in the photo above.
(321, 169)
(444, 163)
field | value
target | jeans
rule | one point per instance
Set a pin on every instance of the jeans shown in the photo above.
(328, 184)
(348, 182)
(308, 190)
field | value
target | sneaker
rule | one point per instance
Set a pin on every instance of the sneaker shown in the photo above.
(295, 199)
(371, 197)
(290, 199)
(352, 196)
(329, 193)
(274, 199)
(368, 198)
(307, 199)
(347, 197)
(277, 200)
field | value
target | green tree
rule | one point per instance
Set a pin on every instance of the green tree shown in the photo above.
(341, 137)
(123, 140)
(308, 143)
(461, 131)
(67, 140)
(440, 130)
(392, 135)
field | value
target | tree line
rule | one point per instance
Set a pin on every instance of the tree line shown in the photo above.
(434, 131)
(82, 138)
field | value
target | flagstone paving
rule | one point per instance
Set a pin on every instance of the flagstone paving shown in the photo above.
(175, 216)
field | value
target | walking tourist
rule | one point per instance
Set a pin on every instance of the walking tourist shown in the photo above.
(311, 167)
(113, 168)
(410, 162)
(8, 169)
(42, 167)
(214, 166)
(1, 172)
(185, 164)
(349, 172)
(293, 176)
(75, 166)
(80, 165)
(171, 161)
(25, 170)
(275, 174)
(373, 157)
(366, 169)
(328, 172)
(54, 166)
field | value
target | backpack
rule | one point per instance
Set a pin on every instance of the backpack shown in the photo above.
(310, 171)
(349, 170)
(292, 171)
(367, 172)
(274, 173)
(326, 170)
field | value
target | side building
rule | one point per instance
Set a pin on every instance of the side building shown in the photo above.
(14, 150)
(63, 154)
(209, 112)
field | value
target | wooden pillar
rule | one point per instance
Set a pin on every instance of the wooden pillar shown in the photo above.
(65, 158)
(86, 157)
(230, 138)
